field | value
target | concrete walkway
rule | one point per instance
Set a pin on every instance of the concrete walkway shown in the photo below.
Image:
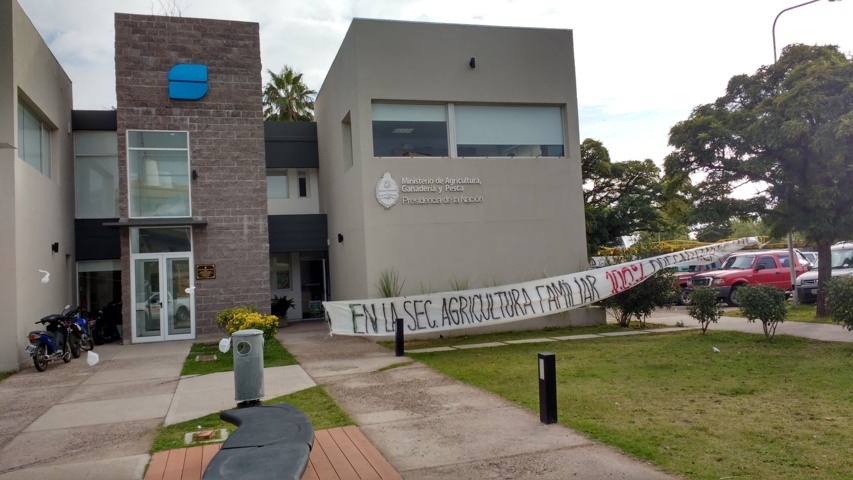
(80, 422)
(816, 331)
(431, 427)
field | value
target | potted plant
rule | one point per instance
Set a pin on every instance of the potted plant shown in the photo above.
(279, 307)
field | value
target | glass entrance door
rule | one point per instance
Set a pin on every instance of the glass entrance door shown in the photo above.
(162, 306)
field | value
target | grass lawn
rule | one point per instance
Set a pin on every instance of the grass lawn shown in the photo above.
(514, 335)
(756, 410)
(275, 355)
(320, 408)
(804, 312)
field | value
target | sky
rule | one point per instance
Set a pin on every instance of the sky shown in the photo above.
(641, 66)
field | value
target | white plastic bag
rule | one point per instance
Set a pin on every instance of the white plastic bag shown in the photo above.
(92, 358)
(224, 345)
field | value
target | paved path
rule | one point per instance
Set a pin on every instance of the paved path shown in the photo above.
(80, 422)
(431, 427)
(816, 331)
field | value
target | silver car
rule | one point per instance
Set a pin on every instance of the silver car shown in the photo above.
(841, 259)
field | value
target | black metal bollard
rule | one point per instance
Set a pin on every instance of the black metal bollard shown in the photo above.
(398, 337)
(547, 388)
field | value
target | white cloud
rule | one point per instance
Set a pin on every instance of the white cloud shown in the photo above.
(641, 66)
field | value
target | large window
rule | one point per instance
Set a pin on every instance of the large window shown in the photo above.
(158, 173)
(409, 130)
(502, 131)
(33, 140)
(96, 174)
(401, 130)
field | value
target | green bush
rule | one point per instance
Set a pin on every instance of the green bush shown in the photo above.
(766, 303)
(224, 317)
(660, 290)
(705, 308)
(839, 300)
(245, 317)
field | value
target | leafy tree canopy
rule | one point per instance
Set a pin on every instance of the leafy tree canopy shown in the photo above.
(287, 98)
(620, 198)
(787, 129)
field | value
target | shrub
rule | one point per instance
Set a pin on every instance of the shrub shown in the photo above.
(639, 301)
(704, 306)
(390, 284)
(280, 305)
(246, 317)
(766, 303)
(839, 300)
(224, 317)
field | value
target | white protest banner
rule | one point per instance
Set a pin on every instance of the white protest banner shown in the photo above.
(509, 303)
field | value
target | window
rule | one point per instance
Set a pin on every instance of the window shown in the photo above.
(96, 174)
(508, 131)
(277, 184)
(160, 240)
(280, 271)
(303, 183)
(158, 173)
(401, 130)
(346, 131)
(33, 140)
(409, 130)
(769, 262)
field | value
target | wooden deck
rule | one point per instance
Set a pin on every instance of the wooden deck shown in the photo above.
(342, 453)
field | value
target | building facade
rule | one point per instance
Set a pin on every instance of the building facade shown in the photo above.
(446, 154)
(36, 183)
(472, 133)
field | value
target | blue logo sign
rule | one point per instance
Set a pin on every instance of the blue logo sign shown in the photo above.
(187, 81)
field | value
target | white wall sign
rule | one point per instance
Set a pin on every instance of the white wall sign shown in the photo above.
(428, 191)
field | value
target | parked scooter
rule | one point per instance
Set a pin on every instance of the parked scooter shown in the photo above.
(80, 340)
(50, 344)
(104, 321)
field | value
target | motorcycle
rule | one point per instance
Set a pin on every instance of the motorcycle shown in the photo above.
(49, 345)
(80, 339)
(103, 322)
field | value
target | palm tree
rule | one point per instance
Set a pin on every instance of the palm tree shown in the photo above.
(287, 98)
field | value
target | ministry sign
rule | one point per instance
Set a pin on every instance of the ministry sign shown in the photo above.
(428, 190)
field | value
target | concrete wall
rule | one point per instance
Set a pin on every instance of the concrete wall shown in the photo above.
(226, 141)
(531, 222)
(35, 210)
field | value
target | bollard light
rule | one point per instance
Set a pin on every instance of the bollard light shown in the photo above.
(398, 337)
(547, 388)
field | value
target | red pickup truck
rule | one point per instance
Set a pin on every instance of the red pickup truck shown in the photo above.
(683, 275)
(761, 267)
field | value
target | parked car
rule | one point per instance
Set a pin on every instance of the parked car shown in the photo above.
(684, 273)
(762, 267)
(841, 264)
(149, 311)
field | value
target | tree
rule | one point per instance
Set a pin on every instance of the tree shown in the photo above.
(287, 98)
(620, 198)
(788, 130)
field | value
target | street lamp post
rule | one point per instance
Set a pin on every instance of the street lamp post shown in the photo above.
(790, 236)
